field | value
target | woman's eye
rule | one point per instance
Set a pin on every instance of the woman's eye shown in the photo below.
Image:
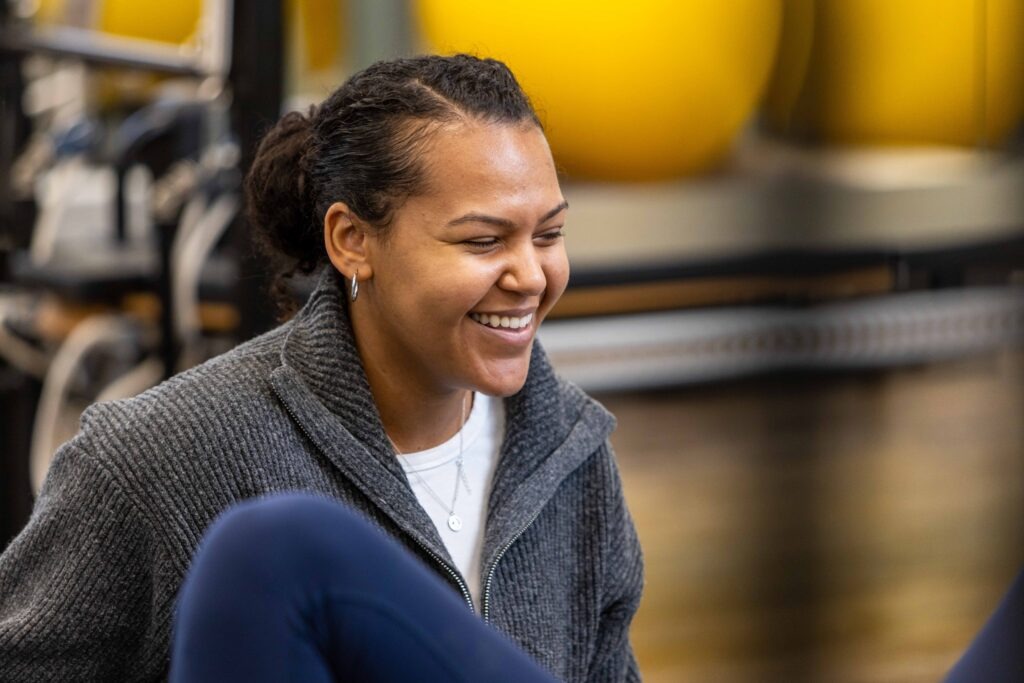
(483, 242)
(552, 235)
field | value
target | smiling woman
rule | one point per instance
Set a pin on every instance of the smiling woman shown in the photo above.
(409, 390)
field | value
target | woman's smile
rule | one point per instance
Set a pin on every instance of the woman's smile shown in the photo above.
(514, 329)
(507, 320)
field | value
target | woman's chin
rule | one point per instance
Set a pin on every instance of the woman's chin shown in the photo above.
(505, 381)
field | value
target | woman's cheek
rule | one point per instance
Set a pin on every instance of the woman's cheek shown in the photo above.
(558, 278)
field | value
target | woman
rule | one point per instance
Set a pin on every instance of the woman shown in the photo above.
(408, 387)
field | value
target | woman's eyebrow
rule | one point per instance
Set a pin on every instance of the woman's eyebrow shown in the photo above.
(504, 222)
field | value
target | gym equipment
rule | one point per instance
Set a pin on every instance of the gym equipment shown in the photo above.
(872, 72)
(129, 279)
(195, 197)
(208, 54)
(644, 90)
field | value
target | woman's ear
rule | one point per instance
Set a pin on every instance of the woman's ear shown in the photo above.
(346, 240)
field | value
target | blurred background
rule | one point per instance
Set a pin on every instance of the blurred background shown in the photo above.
(797, 241)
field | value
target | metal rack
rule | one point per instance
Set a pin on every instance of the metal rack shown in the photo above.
(208, 56)
(237, 57)
(795, 259)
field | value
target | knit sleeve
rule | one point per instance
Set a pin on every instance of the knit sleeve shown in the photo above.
(75, 584)
(613, 659)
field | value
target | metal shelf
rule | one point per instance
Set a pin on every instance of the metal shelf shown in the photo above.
(774, 199)
(689, 346)
(208, 55)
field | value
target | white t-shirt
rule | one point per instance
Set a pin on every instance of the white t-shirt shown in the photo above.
(435, 470)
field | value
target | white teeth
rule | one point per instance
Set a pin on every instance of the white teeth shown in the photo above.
(505, 321)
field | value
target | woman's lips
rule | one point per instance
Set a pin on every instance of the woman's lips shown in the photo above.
(515, 336)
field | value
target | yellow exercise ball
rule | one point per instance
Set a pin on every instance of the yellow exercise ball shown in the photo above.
(906, 72)
(648, 89)
(169, 22)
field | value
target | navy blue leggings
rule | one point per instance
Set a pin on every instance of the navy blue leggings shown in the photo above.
(997, 653)
(297, 588)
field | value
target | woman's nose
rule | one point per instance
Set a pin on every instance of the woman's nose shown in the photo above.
(524, 273)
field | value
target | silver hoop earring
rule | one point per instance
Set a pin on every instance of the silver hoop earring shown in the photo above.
(355, 285)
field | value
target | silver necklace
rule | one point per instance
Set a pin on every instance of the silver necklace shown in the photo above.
(454, 521)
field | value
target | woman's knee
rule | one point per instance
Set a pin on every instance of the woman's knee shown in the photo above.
(282, 533)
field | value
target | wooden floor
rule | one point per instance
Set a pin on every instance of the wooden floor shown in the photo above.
(824, 528)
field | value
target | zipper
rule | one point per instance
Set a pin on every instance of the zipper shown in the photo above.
(451, 572)
(486, 607)
(444, 565)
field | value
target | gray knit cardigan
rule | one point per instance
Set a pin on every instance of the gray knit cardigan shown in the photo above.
(87, 590)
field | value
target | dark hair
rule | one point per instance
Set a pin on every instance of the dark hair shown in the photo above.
(362, 146)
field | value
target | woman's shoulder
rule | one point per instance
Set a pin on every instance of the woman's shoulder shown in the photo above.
(200, 409)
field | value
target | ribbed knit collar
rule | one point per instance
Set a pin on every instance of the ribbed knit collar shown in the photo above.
(551, 426)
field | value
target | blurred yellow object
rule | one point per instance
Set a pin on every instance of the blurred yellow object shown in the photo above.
(160, 20)
(642, 90)
(168, 22)
(52, 12)
(321, 36)
(906, 72)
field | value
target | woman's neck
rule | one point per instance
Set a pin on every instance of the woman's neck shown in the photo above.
(415, 417)
(416, 422)
(417, 411)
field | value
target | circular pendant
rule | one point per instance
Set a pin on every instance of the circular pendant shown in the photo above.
(454, 523)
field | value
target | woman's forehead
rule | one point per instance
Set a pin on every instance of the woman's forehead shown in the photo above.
(476, 161)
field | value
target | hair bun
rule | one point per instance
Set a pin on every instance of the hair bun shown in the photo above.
(277, 193)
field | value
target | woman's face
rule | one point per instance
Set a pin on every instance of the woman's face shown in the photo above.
(470, 266)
